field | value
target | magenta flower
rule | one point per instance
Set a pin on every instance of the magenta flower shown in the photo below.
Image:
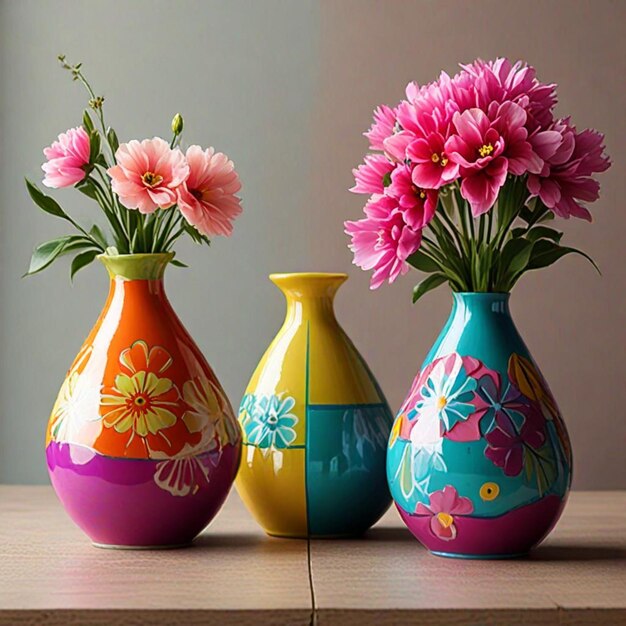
(370, 175)
(418, 205)
(477, 148)
(566, 179)
(382, 241)
(207, 198)
(433, 168)
(67, 158)
(148, 174)
(506, 446)
(383, 127)
(442, 508)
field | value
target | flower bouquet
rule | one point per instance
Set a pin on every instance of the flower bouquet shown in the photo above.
(150, 193)
(468, 174)
(141, 429)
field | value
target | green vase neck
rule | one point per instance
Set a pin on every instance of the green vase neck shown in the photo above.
(136, 266)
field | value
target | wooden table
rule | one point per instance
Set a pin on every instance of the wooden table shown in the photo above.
(234, 574)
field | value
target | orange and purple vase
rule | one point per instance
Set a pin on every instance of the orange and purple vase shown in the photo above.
(142, 444)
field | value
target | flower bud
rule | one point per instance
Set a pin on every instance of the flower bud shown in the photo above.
(177, 124)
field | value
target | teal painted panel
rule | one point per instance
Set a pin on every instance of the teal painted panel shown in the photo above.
(346, 486)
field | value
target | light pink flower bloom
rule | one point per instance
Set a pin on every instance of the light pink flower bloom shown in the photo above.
(382, 241)
(207, 199)
(478, 148)
(418, 205)
(566, 179)
(67, 158)
(148, 174)
(383, 127)
(369, 176)
(442, 508)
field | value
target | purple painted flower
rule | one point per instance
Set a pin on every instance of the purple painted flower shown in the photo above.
(507, 446)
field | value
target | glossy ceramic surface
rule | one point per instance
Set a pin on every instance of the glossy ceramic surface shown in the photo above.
(142, 443)
(315, 423)
(479, 460)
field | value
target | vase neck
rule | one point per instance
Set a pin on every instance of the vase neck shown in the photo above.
(309, 294)
(487, 304)
(136, 266)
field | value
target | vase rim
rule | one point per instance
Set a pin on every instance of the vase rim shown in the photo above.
(138, 266)
(308, 275)
(482, 294)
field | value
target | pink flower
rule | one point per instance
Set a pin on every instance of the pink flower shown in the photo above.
(382, 241)
(67, 159)
(417, 205)
(370, 175)
(207, 199)
(566, 179)
(433, 168)
(478, 148)
(442, 508)
(383, 127)
(148, 174)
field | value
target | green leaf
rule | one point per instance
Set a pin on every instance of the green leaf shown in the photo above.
(421, 261)
(112, 139)
(546, 252)
(87, 187)
(431, 282)
(195, 235)
(94, 146)
(46, 203)
(387, 179)
(87, 122)
(515, 256)
(45, 253)
(99, 236)
(177, 263)
(81, 260)
(543, 232)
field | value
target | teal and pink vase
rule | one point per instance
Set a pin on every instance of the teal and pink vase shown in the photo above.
(479, 460)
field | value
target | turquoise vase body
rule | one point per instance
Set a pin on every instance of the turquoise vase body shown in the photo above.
(479, 460)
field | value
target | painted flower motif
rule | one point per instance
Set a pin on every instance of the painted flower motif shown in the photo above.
(444, 505)
(271, 423)
(76, 396)
(185, 474)
(209, 411)
(508, 446)
(141, 402)
(444, 402)
(499, 403)
(67, 158)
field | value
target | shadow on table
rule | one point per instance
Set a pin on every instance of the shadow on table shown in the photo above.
(577, 553)
(245, 541)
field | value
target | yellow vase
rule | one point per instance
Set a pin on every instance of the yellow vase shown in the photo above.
(315, 423)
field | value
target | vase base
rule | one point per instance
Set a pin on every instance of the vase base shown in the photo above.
(111, 546)
(479, 557)
(322, 537)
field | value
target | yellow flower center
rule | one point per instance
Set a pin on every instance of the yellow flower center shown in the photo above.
(445, 519)
(485, 150)
(441, 402)
(150, 179)
(441, 158)
(489, 491)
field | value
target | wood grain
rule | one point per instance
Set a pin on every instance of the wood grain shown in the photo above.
(50, 574)
(578, 576)
(234, 573)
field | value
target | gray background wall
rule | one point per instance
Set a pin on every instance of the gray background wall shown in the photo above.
(286, 88)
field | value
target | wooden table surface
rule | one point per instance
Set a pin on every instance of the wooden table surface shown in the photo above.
(234, 574)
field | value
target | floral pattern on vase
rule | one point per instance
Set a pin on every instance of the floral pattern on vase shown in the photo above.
(141, 428)
(268, 421)
(493, 436)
